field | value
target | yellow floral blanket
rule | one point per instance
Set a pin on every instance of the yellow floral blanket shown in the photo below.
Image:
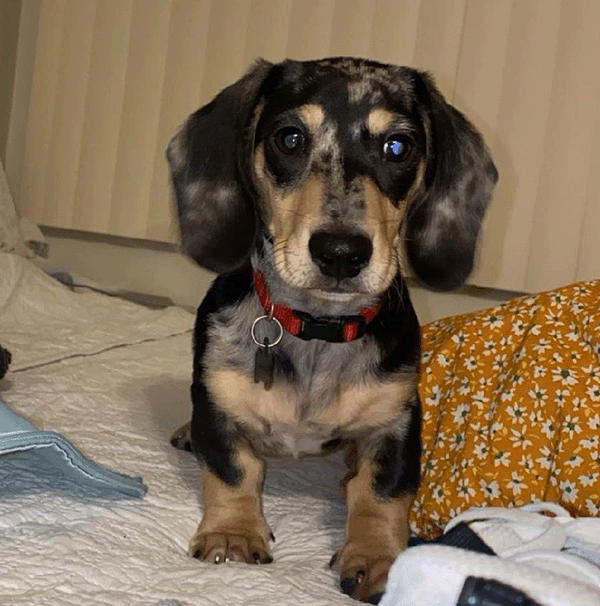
(511, 407)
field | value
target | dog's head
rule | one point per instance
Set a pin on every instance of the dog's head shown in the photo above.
(328, 167)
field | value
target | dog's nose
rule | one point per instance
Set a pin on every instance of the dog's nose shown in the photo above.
(340, 255)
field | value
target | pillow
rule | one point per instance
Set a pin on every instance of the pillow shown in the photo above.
(10, 235)
(511, 407)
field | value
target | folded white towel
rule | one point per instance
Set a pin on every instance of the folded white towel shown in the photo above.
(538, 563)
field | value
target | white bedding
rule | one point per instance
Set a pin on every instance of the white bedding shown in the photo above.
(113, 378)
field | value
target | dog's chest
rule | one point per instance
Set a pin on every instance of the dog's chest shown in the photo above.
(296, 439)
(305, 408)
(322, 392)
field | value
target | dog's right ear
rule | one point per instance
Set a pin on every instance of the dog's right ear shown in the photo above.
(217, 217)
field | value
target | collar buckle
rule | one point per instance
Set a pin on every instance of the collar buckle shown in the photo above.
(340, 329)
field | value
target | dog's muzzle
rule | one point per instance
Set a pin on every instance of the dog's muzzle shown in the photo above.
(340, 255)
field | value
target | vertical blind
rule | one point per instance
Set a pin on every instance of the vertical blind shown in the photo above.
(110, 80)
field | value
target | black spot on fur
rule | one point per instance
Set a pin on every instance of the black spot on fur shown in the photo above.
(398, 461)
(397, 331)
(213, 437)
(284, 367)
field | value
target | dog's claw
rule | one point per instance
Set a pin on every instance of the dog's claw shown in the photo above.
(225, 547)
(258, 559)
(334, 559)
(362, 577)
(348, 585)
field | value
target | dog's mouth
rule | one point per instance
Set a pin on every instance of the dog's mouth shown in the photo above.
(336, 294)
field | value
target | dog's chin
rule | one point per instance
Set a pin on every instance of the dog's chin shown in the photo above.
(336, 296)
(347, 290)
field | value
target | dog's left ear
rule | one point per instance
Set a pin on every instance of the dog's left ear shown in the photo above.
(443, 220)
(207, 159)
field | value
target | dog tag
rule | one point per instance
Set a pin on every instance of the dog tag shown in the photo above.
(264, 365)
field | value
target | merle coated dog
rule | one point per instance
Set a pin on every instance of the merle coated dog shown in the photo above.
(310, 188)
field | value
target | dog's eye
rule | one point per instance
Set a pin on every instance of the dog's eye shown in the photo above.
(290, 140)
(397, 148)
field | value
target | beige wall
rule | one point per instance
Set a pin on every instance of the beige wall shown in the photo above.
(10, 11)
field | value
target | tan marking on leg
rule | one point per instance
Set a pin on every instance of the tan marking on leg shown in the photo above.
(376, 532)
(233, 526)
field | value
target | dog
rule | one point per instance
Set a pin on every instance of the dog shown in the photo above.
(310, 188)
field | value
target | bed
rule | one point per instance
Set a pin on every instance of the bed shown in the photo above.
(113, 377)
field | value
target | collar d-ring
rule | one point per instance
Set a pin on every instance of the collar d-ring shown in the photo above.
(268, 318)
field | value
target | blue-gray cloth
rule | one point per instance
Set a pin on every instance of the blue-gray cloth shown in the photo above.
(53, 451)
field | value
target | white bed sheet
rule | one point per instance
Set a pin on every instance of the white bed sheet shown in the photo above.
(113, 378)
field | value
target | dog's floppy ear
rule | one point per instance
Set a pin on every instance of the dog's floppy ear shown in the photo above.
(443, 220)
(207, 157)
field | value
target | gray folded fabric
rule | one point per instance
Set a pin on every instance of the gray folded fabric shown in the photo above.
(55, 452)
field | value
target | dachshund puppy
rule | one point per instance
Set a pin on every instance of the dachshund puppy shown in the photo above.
(299, 185)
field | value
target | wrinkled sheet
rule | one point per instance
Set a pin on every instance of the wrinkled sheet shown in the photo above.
(113, 378)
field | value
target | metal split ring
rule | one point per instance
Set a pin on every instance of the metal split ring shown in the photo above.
(269, 318)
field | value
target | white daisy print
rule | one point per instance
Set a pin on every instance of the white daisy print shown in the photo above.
(459, 414)
(490, 489)
(594, 422)
(545, 461)
(570, 491)
(594, 393)
(493, 321)
(464, 490)
(588, 480)
(548, 428)
(565, 375)
(571, 425)
(541, 346)
(470, 363)
(501, 458)
(516, 483)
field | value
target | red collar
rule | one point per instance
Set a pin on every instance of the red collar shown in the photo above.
(336, 329)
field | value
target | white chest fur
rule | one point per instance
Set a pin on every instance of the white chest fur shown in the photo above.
(296, 440)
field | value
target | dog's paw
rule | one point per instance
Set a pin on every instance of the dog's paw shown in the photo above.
(363, 569)
(233, 545)
(182, 438)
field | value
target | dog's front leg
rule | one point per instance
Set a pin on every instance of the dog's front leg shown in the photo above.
(379, 495)
(233, 527)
